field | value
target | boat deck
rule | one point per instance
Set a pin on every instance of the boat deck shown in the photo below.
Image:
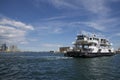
(86, 54)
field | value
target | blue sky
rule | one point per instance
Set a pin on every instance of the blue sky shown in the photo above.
(43, 25)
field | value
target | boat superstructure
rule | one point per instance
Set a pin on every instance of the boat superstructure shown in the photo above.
(90, 46)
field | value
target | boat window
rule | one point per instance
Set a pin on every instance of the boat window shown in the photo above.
(80, 37)
(90, 38)
(99, 50)
(95, 44)
(95, 38)
(109, 50)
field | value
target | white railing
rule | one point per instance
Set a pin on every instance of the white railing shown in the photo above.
(93, 41)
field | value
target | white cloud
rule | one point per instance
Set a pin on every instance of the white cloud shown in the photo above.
(12, 31)
(99, 7)
(94, 25)
(92, 33)
(11, 35)
(100, 19)
(96, 6)
(58, 27)
(63, 4)
(51, 45)
(117, 34)
(16, 24)
(50, 27)
(55, 18)
(33, 40)
(57, 30)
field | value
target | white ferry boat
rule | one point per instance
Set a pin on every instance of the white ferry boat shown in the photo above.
(90, 46)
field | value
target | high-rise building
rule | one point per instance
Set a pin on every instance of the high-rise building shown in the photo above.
(3, 47)
(13, 48)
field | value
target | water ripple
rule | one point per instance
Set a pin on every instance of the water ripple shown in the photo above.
(36, 66)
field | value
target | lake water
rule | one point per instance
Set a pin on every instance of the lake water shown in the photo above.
(48, 66)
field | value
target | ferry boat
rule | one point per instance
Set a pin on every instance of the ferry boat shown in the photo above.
(90, 46)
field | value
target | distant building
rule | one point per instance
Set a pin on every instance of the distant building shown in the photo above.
(13, 48)
(3, 47)
(118, 51)
(63, 49)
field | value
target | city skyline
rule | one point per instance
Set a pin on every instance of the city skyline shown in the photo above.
(44, 25)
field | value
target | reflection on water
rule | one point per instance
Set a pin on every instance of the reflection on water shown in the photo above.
(47, 66)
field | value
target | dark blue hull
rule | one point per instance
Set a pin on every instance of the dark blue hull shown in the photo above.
(81, 54)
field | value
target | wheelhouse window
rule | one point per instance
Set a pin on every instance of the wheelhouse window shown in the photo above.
(90, 38)
(80, 37)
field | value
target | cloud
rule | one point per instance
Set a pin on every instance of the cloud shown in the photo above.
(9, 32)
(50, 27)
(98, 14)
(89, 24)
(13, 32)
(57, 30)
(63, 4)
(16, 24)
(92, 33)
(96, 6)
(55, 18)
(33, 40)
(117, 34)
(51, 45)
(100, 21)
(103, 24)
(58, 27)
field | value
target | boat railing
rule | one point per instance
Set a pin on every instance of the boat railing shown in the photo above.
(93, 41)
(82, 50)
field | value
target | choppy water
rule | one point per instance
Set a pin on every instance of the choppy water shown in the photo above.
(47, 66)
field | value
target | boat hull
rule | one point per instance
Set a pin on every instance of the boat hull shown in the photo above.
(86, 54)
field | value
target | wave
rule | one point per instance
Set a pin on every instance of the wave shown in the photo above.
(46, 57)
(56, 57)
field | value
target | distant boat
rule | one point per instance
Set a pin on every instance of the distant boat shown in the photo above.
(90, 46)
(51, 51)
(118, 51)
